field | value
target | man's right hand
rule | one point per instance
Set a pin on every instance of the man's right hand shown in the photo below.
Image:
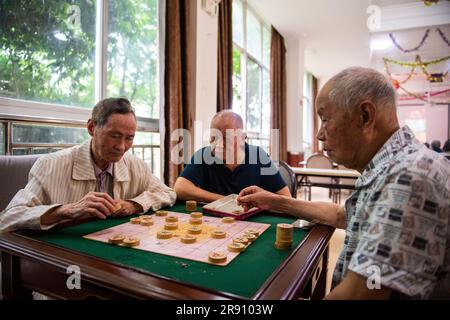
(93, 204)
(254, 196)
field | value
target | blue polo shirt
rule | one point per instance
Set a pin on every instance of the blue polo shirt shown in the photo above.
(210, 174)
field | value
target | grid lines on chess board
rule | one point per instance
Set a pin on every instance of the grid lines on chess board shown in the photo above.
(197, 251)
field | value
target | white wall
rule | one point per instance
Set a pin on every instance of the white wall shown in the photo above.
(426, 121)
(206, 70)
(346, 45)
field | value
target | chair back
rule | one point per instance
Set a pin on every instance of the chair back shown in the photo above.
(289, 178)
(14, 176)
(319, 161)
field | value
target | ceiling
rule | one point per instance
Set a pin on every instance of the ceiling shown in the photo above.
(323, 28)
(300, 18)
(334, 34)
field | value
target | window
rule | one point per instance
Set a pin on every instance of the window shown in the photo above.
(133, 54)
(33, 138)
(36, 133)
(47, 51)
(251, 77)
(146, 147)
(61, 57)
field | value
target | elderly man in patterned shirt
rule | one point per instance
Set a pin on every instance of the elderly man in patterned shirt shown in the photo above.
(95, 179)
(397, 241)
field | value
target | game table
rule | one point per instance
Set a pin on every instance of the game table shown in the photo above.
(39, 261)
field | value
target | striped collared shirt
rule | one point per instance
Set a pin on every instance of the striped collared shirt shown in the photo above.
(66, 176)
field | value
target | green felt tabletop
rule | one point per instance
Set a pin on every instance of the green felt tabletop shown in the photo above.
(243, 276)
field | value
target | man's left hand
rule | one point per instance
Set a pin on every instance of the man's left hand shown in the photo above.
(126, 208)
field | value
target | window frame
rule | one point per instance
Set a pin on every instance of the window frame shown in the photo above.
(9, 145)
(245, 56)
(12, 107)
(13, 110)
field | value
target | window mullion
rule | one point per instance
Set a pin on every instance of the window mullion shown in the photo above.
(244, 86)
(101, 49)
(244, 64)
(261, 40)
(261, 88)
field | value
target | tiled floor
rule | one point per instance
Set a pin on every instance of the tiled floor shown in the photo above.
(337, 240)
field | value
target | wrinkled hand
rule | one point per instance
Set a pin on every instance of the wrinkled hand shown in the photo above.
(93, 204)
(126, 208)
(255, 197)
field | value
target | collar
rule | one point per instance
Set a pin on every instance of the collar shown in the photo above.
(395, 144)
(98, 171)
(83, 166)
(220, 161)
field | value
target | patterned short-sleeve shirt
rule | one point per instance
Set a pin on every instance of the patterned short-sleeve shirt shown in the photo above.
(398, 220)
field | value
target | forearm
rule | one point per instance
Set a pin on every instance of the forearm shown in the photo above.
(187, 190)
(197, 194)
(55, 215)
(24, 212)
(155, 197)
(23, 217)
(354, 287)
(319, 212)
(130, 207)
(284, 192)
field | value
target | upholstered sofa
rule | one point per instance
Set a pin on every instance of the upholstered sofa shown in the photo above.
(13, 176)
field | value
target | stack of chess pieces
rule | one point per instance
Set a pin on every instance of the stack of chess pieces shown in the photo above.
(284, 236)
(191, 205)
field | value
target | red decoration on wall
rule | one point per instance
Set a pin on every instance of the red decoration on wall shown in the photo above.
(395, 84)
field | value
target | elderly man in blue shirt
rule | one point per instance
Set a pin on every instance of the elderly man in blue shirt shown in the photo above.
(228, 165)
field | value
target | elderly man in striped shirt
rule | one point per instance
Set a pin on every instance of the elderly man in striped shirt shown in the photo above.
(95, 179)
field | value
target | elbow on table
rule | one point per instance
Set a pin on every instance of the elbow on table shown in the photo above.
(180, 189)
(172, 197)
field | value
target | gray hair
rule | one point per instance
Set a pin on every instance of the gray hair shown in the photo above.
(356, 84)
(106, 107)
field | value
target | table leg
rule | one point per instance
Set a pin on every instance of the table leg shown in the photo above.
(11, 288)
(321, 286)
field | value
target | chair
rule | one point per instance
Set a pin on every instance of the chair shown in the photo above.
(289, 177)
(14, 176)
(320, 161)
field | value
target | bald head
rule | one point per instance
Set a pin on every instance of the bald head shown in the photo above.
(227, 119)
